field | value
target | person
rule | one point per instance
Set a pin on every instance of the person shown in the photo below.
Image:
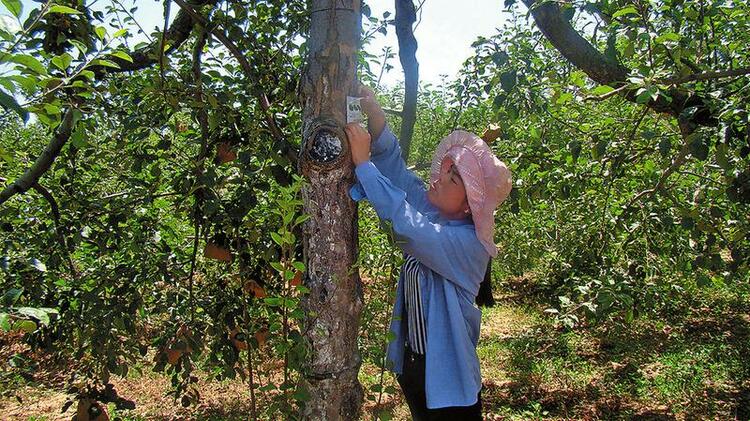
(446, 233)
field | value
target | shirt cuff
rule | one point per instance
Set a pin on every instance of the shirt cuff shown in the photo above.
(363, 171)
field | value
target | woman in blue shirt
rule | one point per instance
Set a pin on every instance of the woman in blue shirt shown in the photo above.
(445, 231)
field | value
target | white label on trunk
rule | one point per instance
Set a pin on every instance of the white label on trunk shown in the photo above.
(353, 110)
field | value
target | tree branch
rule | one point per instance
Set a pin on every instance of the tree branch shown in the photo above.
(686, 128)
(393, 112)
(707, 76)
(58, 226)
(43, 162)
(406, 15)
(604, 70)
(265, 105)
(608, 95)
(147, 56)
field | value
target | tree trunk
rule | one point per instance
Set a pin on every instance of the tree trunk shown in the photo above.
(406, 15)
(334, 304)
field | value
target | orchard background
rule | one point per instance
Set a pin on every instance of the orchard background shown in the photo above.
(154, 225)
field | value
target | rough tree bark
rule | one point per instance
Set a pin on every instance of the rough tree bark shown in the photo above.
(406, 15)
(334, 304)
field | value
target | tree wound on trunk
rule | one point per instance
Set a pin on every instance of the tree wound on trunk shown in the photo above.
(326, 141)
(326, 146)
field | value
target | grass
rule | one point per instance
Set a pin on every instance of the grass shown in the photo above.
(690, 363)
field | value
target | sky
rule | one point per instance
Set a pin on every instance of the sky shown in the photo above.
(444, 34)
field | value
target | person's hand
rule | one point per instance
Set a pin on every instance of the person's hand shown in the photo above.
(371, 107)
(369, 103)
(359, 143)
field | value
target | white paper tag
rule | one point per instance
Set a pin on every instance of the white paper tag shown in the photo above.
(353, 110)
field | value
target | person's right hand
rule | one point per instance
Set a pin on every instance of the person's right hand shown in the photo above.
(359, 143)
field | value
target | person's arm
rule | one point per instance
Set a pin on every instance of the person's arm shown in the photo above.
(386, 152)
(373, 110)
(452, 251)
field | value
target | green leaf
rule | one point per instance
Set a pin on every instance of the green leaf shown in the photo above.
(63, 61)
(646, 94)
(88, 74)
(721, 156)
(9, 103)
(78, 137)
(25, 60)
(300, 219)
(601, 90)
(272, 301)
(667, 37)
(51, 109)
(564, 98)
(79, 45)
(11, 296)
(508, 80)
(14, 6)
(26, 83)
(299, 266)
(120, 33)
(65, 10)
(599, 148)
(36, 313)
(4, 322)
(277, 266)
(123, 55)
(8, 84)
(8, 27)
(500, 58)
(25, 325)
(105, 63)
(698, 147)
(665, 145)
(101, 32)
(630, 10)
(277, 239)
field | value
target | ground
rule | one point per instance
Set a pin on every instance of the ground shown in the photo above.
(690, 366)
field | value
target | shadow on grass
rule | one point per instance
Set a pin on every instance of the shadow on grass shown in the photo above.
(694, 368)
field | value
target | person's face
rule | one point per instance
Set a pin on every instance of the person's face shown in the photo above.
(448, 193)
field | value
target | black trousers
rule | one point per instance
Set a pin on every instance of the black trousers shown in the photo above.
(413, 385)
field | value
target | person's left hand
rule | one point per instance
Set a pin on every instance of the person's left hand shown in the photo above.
(359, 142)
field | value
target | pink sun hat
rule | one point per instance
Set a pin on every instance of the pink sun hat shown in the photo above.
(487, 180)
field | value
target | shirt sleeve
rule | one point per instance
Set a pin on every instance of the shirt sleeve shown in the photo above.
(452, 251)
(386, 155)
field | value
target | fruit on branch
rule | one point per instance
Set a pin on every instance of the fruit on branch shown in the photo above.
(239, 339)
(252, 287)
(297, 280)
(261, 336)
(224, 153)
(213, 251)
(491, 133)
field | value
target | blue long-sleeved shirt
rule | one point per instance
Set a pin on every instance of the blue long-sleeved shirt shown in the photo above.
(452, 265)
